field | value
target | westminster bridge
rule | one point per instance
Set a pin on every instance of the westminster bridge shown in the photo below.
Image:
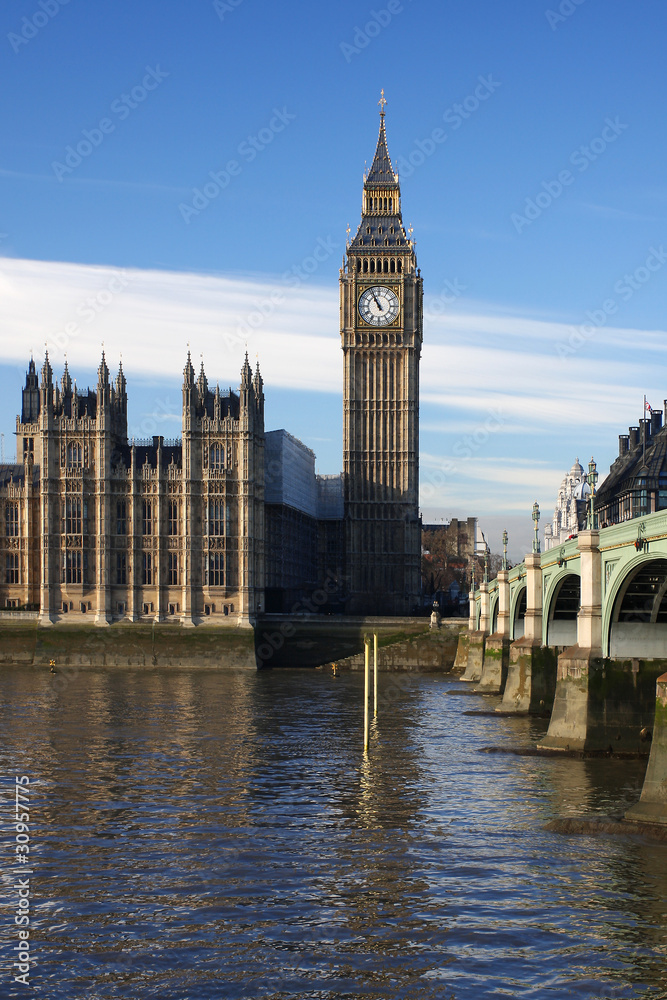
(580, 632)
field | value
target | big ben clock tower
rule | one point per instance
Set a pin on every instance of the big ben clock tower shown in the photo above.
(381, 334)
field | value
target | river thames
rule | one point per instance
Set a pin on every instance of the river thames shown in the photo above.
(197, 834)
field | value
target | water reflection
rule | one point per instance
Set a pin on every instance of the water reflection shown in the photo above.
(202, 835)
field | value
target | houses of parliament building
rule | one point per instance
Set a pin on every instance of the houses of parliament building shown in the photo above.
(230, 521)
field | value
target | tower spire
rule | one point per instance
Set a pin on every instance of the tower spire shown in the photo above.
(381, 220)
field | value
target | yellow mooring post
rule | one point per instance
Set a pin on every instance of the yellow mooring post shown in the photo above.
(366, 684)
(375, 673)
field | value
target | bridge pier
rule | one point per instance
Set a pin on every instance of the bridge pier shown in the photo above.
(475, 664)
(531, 672)
(600, 703)
(531, 678)
(652, 805)
(461, 659)
(497, 646)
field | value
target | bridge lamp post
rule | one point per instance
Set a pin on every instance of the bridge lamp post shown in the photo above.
(536, 522)
(486, 564)
(592, 482)
(505, 540)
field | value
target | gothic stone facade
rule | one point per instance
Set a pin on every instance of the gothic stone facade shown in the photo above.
(93, 524)
(97, 525)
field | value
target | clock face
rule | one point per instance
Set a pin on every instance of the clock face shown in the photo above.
(378, 305)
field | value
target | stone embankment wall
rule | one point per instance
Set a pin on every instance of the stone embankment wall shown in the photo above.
(125, 645)
(277, 641)
(429, 651)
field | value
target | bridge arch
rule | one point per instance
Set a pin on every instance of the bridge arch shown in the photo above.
(561, 608)
(635, 612)
(518, 612)
(495, 604)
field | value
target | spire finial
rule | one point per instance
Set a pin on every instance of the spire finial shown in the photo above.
(382, 103)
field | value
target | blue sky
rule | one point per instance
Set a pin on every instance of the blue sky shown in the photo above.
(541, 334)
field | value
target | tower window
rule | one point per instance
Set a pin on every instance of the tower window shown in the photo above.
(173, 517)
(71, 519)
(72, 566)
(217, 456)
(12, 519)
(392, 230)
(12, 568)
(216, 570)
(365, 266)
(379, 229)
(358, 263)
(147, 570)
(368, 230)
(121, 568)
(173, 569)
(74, 454)
(121, 518)
(216, 518)
(393, 267)
(400, 266)
(147, 519)
(391, 209)
(372, 267)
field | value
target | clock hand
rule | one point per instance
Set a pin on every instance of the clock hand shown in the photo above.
(377, 301)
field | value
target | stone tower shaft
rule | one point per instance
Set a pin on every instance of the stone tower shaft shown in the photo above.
(381, 338)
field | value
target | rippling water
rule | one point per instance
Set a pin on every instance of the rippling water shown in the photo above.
(202, 835)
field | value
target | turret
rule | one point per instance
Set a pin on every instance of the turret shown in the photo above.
(30, 406)
(188, 386)
(258, 387)
(202, 385)
(46, 385)
(103, 387)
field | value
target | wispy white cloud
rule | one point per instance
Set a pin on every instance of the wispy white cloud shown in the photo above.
(96, 182)
(494, 378)
(150, 317)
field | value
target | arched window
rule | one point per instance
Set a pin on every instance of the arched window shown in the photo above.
(372, 267)
(400, 266)
(74, 454)
(365, 265)
(393, 267)
(216, 456)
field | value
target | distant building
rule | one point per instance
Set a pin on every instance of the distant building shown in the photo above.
(304, 529)
(448, 553)
(637, 480)
(570, 511)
